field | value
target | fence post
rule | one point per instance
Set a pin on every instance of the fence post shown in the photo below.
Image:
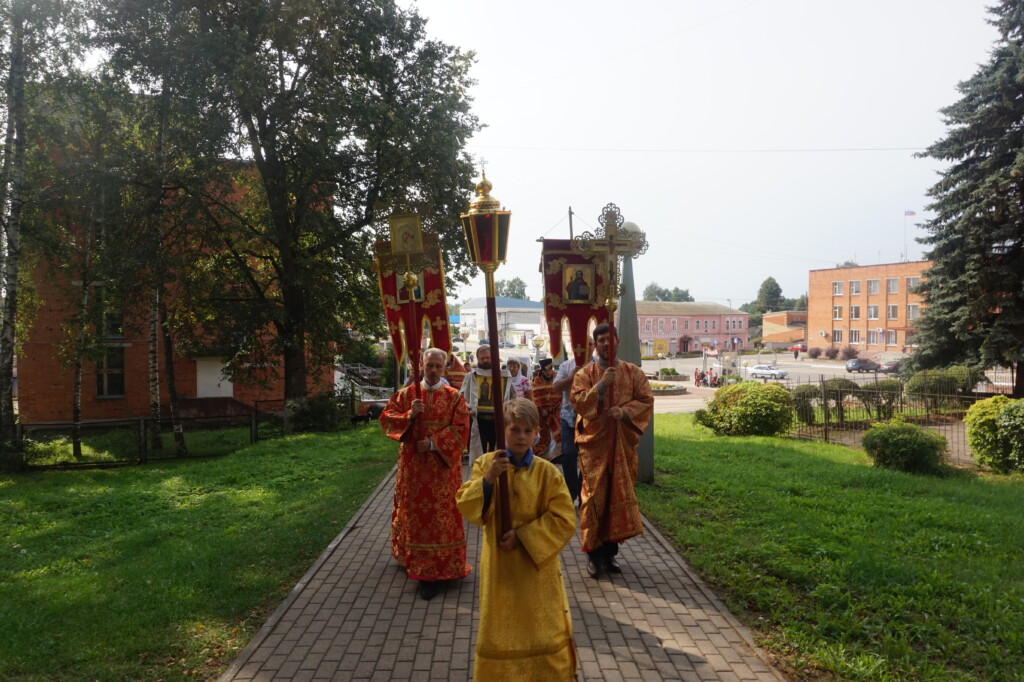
(824, 404)
(254, 431)
(142, 439)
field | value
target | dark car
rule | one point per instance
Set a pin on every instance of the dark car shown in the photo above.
(862, 365)
(890, 367)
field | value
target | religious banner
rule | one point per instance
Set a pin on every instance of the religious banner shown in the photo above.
(411, 250)
(575, 291)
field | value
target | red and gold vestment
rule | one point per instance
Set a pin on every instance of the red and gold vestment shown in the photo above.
(594, 439)
(427, 535)
(549, 404)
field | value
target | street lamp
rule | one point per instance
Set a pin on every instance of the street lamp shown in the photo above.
(538, 343)
(486, 227)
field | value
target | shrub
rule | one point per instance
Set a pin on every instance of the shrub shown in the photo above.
(982, 420)
(327, 411)
(933, 386)
(1011, 432)
(668, 371)
(964, 379)
(804, 398)
(906, 447)
(814, 353)
(836, 391)
(748, 409)
(849, 353)
(883, 396)
(831, 352)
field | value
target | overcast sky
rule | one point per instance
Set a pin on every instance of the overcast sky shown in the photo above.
(747, 139)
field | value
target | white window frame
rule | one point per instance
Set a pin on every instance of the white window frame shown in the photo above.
(872, 286)
(855, 336)
(837, 336)
(854, 312)
(912, 311)
(854, 287)
(892, 285)
(837, 312)
(892, 312)
(872, 312)
(872, 337)
(890, 337)
(837, 288)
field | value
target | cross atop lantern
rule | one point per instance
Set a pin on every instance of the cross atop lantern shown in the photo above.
(614, 239)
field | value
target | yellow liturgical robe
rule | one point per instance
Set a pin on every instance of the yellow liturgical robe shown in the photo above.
(598, 522)
(525, 628)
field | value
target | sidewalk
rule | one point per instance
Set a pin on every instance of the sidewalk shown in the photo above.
(355, 616)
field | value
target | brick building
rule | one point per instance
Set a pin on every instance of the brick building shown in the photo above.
(669, 327)
(783, 328)
(871, 307)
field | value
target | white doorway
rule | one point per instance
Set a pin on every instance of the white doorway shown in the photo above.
(210, 379)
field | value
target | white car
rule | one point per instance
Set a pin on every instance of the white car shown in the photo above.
(770, 371)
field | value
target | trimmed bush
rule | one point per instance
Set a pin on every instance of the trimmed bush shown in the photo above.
(814, 353)
(982, 421)
(804, 398)
(849, 352)
(748, 409)
(1011, 432)
(931, 385)
(905, 447)
(836, 391)
(831, 352)
(327, 411)
(883, 396)
(964, 379)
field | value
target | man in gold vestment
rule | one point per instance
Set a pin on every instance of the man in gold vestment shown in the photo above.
(427, 536)
(613, 404)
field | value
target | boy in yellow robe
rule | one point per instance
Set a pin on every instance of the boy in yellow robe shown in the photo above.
(525, 628)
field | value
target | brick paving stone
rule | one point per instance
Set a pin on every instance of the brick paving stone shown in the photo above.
(355, 615)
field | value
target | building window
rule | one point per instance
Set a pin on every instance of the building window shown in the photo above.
(854, 286)
(705, 325)
(872, 286)
(714, 325)
(854, 312)
(837, 312)
(661, 325)
(892, 285)
(837, 336)
(872, 312)
(110, 372)
(674, 321)
(854, 336)
(647, 326)
(872, 337)
(912, 284)
(892, 312)
(912, 311)
(890, 337)
(686, 324)
(837, 288)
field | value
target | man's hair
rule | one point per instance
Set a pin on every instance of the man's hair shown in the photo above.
(521, 410)
(435, 351)
(579, 273)
(602, 328)
(481, 349)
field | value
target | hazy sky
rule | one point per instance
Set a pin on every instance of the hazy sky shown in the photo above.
(747, 139)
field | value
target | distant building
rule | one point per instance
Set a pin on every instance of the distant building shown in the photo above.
(783, 328)
(670, 328)
(872, 307)
(518, 320)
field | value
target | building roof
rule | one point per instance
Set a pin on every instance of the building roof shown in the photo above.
(502, 302)
(674, 308)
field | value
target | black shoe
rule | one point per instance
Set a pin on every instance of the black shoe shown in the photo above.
(427, 589)
(612, 565)
(592, 569)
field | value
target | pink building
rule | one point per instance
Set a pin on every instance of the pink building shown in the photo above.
(670, 328)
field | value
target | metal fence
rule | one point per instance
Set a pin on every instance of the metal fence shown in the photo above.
(838, 414)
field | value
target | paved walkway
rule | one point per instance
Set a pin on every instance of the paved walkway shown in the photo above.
(355, 616)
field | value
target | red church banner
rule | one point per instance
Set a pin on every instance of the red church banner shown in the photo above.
(418, 252)
(575, 291)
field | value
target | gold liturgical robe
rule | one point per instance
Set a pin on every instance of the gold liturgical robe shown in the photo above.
(597, 446)
(525, 628)
(427, 536)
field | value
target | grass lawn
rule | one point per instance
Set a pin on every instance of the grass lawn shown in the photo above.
(844, 570)
(165, 571)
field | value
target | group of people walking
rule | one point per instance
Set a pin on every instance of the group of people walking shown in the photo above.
(597, 413)
(708, 378)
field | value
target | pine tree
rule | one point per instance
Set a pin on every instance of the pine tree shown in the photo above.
(975, 288)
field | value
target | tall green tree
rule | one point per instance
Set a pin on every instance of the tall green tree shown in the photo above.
(340, 112)
(769, 296)
(974, 290)
(653, 292)
(513, 288)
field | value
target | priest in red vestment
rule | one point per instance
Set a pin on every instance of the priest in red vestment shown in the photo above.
(549, 404)
(607, 434)
(427, 535)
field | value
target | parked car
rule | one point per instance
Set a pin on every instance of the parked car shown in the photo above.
(890, 367)
(861, 365)
(506, 344)
(802, 347)
(770, 371)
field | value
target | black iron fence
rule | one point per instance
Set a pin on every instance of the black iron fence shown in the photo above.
(841, 412)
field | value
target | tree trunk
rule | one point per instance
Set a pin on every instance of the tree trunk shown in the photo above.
(12, 257)
(1018, 380)
(172, 388)
(156, 441)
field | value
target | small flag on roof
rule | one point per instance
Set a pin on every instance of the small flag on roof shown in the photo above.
(910, 213)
